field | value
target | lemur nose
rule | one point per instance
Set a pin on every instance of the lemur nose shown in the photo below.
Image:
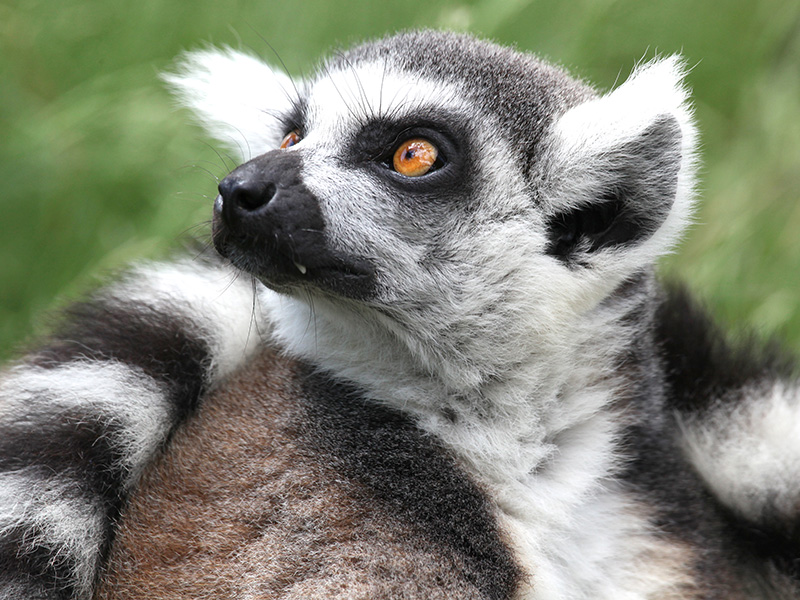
(242, 195)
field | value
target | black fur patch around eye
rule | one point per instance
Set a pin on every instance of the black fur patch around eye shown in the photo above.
(377, 140)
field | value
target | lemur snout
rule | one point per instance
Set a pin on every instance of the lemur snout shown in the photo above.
(268, 223)
(265, 218)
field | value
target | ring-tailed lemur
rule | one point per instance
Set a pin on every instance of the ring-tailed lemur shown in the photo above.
(451, 374)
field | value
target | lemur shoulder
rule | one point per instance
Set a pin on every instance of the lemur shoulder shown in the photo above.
(430, 359)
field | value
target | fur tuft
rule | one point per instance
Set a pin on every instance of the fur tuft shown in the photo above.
(236, 97)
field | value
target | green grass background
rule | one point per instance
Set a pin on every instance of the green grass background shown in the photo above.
(98, 167)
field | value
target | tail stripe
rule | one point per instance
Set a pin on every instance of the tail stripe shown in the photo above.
(84, 415)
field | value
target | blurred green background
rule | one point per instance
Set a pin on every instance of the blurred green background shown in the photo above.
(98, 167)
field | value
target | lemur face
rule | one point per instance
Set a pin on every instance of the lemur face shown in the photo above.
(459, 188)
(353, 198)
(394, 174)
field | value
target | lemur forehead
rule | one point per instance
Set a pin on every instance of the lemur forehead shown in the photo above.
(350, 96)
(513, 90)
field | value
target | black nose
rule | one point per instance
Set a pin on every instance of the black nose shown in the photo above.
(243, 194)
(260, 187)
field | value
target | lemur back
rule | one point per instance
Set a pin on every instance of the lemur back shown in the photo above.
(431, 359)
(327, 498)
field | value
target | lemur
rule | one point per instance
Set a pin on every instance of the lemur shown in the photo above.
(429, 359)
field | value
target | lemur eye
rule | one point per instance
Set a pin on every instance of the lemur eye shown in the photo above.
(292, 138)
(415, 157)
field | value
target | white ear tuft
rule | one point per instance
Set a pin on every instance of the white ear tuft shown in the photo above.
(236, 97)
(653, 90)
(635, 145)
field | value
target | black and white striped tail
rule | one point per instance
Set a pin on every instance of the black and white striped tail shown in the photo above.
(738, 407)
(81, 417)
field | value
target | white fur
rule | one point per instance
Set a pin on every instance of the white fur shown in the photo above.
(749, 455)
(219, 300)
(236, 97)
(58, 516)
(108, 391)
(344, 99)
(54, 507)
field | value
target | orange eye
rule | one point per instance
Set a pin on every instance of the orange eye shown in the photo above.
(415, 157)
(291, 139)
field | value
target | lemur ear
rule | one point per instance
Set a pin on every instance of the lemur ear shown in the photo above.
(236, 97)
(622, 168)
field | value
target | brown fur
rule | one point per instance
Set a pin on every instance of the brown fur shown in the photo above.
(240, 508)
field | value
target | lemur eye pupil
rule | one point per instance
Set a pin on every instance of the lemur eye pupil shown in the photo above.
(292, 138)
(415, 157)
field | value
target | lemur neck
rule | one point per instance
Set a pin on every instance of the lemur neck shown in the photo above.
(558, 393)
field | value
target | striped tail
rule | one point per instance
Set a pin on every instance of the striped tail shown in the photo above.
(83, 416)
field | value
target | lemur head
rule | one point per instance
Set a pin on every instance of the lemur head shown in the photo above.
(467, 198)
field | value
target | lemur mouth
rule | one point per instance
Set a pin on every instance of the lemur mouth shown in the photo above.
(286, 258)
